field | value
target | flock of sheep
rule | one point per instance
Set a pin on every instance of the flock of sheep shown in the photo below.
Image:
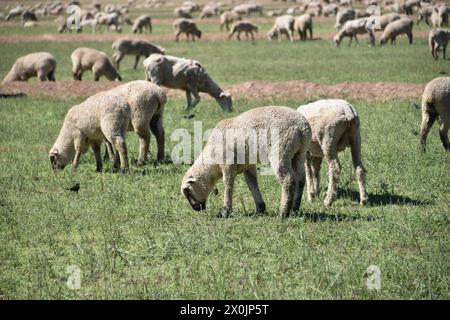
(315, 131)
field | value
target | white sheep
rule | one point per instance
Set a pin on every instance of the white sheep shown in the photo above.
(185, 74)
(248, 8)
(282, 25)
(302, 25)
(243, 26)
(14, 12)
(134, 47)
(285, 153)
(335, 125)
(187, 26)
(146, 101)
(438, 38)
(90, 59)
(436, 104)
(382, 21)
(228, 17)
(396, 28)
(352, 28)
(141, 23)
(38, 64)
(102, 116)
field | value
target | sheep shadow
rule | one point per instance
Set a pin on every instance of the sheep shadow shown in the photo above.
(383, 199)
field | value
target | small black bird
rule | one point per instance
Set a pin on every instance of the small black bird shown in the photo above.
(75, 188)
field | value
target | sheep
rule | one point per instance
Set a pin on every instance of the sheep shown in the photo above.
(282, 25)
(182, 13)
(243, 26)
(28, 16)
(15, 12)
(90, 59)
(425, 13)
(142, 22)
(102, 116)
(382, 21)
(134, 47)
(409, 5)
(247, 9)
(314, 9)
(146, 101)
(343, 16)
(302, 25)
(185, 74)
(396, 28)
(351, 29)
(335, 125)
(228, 17)
(40, 64)
(187, 26)
(330, 9)
(291, 136)
(436, 103)
(208, 11)
(439, 16)
(111, 20)
(438, 38)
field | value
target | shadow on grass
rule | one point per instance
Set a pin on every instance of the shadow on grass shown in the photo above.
(383, 199)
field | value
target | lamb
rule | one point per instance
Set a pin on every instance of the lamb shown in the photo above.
(143, 22)
(228, 17)
(134, 47)
(302, 25)
(243, 26)
(290, 136)
(40, 64)
(187, 26)
(282, 25)
(185, 74)
(436, 103)
(335, 125)
(247, 9)
(396, 28)
(146, 101)
(102, 116)
(90, 59)
(343, 16)
(438, 38)
(351, 29)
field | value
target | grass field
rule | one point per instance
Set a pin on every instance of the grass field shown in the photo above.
(135, 236)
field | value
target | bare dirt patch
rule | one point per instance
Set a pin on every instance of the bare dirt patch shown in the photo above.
(297, 89)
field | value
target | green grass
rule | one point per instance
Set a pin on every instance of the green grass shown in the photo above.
(135, 236)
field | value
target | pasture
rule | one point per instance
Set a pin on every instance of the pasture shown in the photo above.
(134, 236)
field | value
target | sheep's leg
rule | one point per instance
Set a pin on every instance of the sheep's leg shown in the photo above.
(285, 174)
(188, 99)
(355, 146)
(136, 62)
(308, 167)
(157, 128)
(229, 175)
(350, 42)
(239, 36)
(78, 146)
(316, 163)
(177, 36)
(196, 98)
(51, 76)
(109, 152)
(122, 151)
(98, 157)
(252, 36)
(428, 119)
(356, 39)
(444, 50)
(117, 58)
(230, 35)
(290, 35)
(310, 33)
(298, 164)
(410, 37)
(144, 143)
(443, 134)
(41, 76)
(252, 182)
(334, 173)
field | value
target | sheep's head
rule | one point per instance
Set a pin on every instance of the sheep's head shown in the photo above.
(198, 33)
(225, 101)
(57, 161)
(196, 191)
(272, 34)
(382, 40)
(337, 40)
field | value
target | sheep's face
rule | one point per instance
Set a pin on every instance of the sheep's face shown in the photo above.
(57, 161)
(225, 101)
(196, 192)
(272, 35)
(382, 40)
(198, 33)
(337, 40)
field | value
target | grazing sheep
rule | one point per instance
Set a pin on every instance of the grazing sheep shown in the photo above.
(396, 28)
(134, 47)
(186, 26)
(286, 156)
(343, 16)
(282, 25)
(302, 25)
(14, 12)
(90, 59)
(208, 11)
(436, 103)
(351, 29)
(247, 9)
(102, 116)
(185, 74)
(335, 125)
(228, 17)
(141, 23)
(182, 13)
(438, 38)
(146, 101)
(243, 26)
(40, 64)
(111, 20)
(382, 21)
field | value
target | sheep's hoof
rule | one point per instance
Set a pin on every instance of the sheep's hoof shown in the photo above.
(328, 202)
(261, 208)
(224, 213)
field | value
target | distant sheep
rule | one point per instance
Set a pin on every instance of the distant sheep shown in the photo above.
(39, 64)
(182, 13)
(141, 23)
(302, 25)
(343, 16)
(396, 28)
(247, 9)
(436, 104)
(437, 39)
(185, 74)
(243, 26)
(351, 29)
(133, 47)
(90, 59)
(186, 26)
(228, 17)
(282, 25)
